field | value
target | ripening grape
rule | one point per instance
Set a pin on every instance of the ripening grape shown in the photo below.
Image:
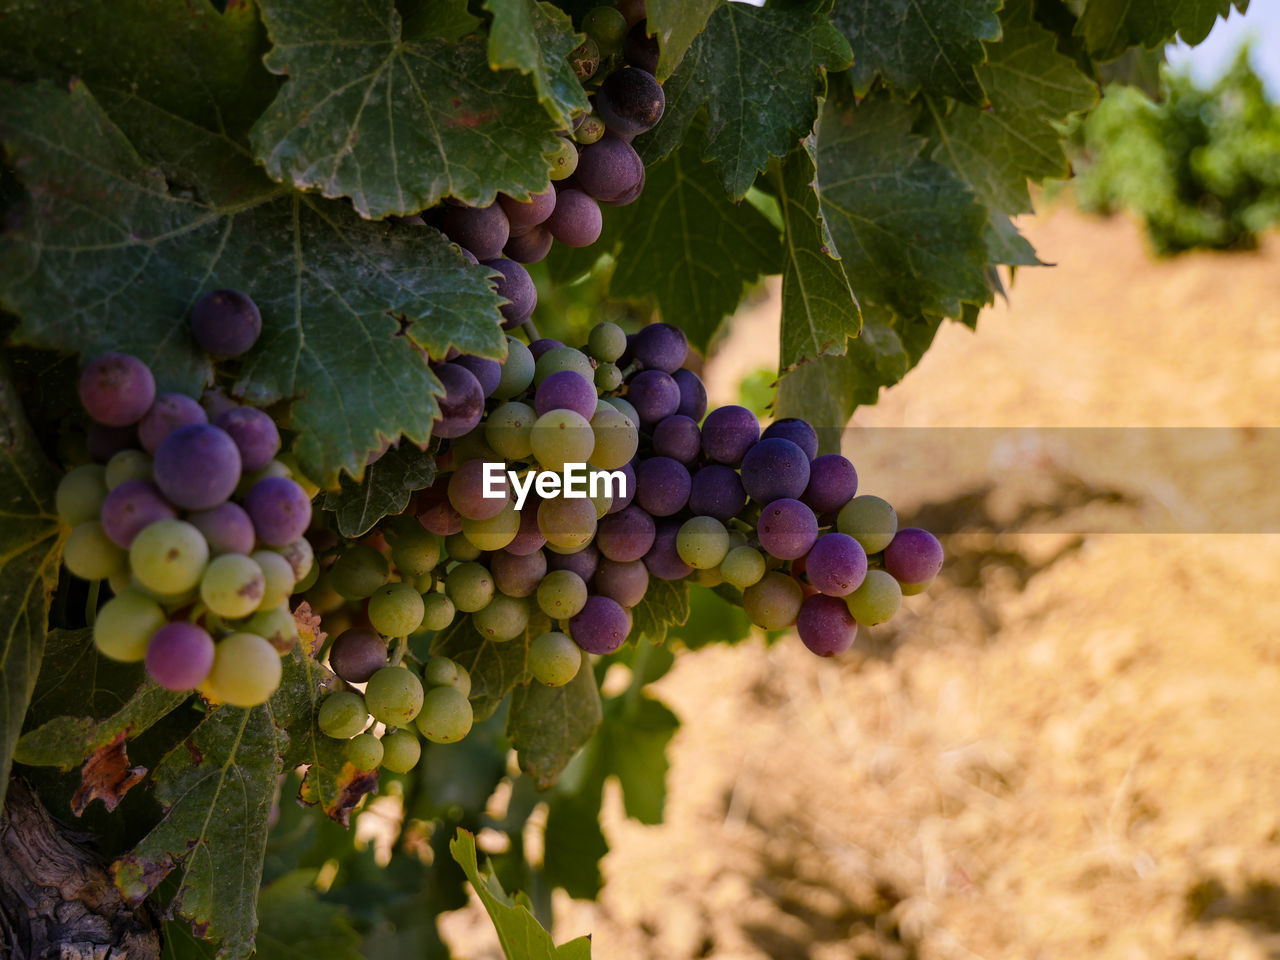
(606, 342)
(742, 566)
(561, 594)
(616, 439)
(233, 586)
(600, 626)
(529, 247)
(469, 493)
(633, 10)
(836, 564)
(364, 751)
(197, 466)
(677, 437)
(125, 624)
(911, 589)
(517, 372)
(514, 285)
(359, 571)
(116, 389)
(568, 525)
(561, 437)
(275, 625)
(481, 230)
(495, 532)
(797, 431)
(869, 520)
(396, 610)
(446, 715)
(554, 659)
(716, 491)
(630, 101)
(663, 560)
(660, 346)
(509, 430)
(180, 656)
(246, 670)
(255, 436)
(524, 215)
(226, 528)
(400, 751)
(226, 323)
(470, 587)
(393, 696)
(832, 483)
(702, 542)
(775, 469)
(639, 49)
(582, 562)
(125, 466)
(825, 625)
(487, 372)
(342, 715)
(437, 611)
(301, 557)
(130, 508)
(654, 395)
(577, 221)
(876, 600)
(80, 494)
(277, 575)
(518, 576)
(504, 618)
(626, 582)
(357, 654)
(914, 556)
(170, 412)
(787, 529)
(610, 170)
(774, 602)
(728, 433)
(662, 486)
(462, 404)
(168, 557)
(568, 390)
(693, 395)
(280, 510)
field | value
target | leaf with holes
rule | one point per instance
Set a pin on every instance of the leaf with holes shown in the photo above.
(536, 38)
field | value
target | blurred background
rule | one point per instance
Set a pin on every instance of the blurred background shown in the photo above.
(1070, 746)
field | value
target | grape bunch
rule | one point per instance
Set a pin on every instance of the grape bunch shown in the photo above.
(193, 518)
(594, 163)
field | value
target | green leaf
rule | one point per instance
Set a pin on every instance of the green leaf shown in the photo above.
(548, 725)
(445, 19)
(819, 310)
(536, 38)
(396, 125)
(335, 291)
(918, 44)
(30, 545)
(637, 746)
(383, 492)
(675, 24)
(496, 668)
(298, 925)
(665, 603)
(1110, 27)
(895, 214)
(519, 933)
(712, 619)
(760, 71)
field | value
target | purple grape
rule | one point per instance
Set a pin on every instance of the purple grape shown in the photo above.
(226, 528)
(654, 395)
(583, 563)
(832, 483)
(357, 654)
(216, 403)
(677, 437)
(255, 435)
(524, 215)
(280, 510)
(435, 512)
(825, 625)
(662, 486)
(836, 565)
(625, 535)
(660, 346)
(693, 395)
(528, 538)
(775, 469)
(462, 404)
(467, 492)
(487, 372)
(180, 656)
(609, 169)
(105, 442)
(630, 101)
(529, 247)
(516, 575)
(226, 323)
(797, 431)
(728, 433)
(787, 529)
(625, 359)
(116, 389)
(197, 467)
(629, 488)
(640, 49)
(566, 390)
(913, 556)
(516, 286)
(576, 221)
(663, 560)
(131, 506)
(631, 196)
(167, 414)
(632, 10)
(624, 582)
(538, 347)
(482, 230)
(601, 626)
(717, 492)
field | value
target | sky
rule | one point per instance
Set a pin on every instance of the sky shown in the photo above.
(1212, 57)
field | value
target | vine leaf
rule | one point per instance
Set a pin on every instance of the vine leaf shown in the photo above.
(385, 490)
(394, 124)
(918, 44)
(1110, 27)
(760, 72)
(30, 545)
(336, 292)
(496, 668)
(549, 725)
(536, 38)
(519, 933)
(675, 24)
(665, 604)
(819, 310)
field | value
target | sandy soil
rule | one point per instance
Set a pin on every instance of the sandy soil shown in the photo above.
(1070, 747)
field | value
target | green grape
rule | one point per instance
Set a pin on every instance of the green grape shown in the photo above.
(458, 547)
(415, 551)
(742, 566)
(446, 715)
(565, 160)
(876, 600)
(469, 586)
(554, 659)
(505, 618)
(774, 602)
(562, 358)
(708, 577)
(128, 465)
(517, 372)
(561, 436)
(869, 520)
(121, 579)
(911, 589)
(601, 501)
(342, 715)
(606, 341)
(275, 625)
(309, 487)
(608, 377)
(494, 533)
(309, 581)
(396, 610)
(472, 445)
(401, 751)
(607, 27)
(278, 577)
(702, 542)
(90, 554)
(624, 407)
(169, 557)
(437, 611)
(561, 594)
(232, 585)
(125, 624)
(509, 428)
(246, 670)
(615, 439)
(358, 572)
(365, 751)
(567, 524)
(393, 696)
(80, 494)
(443, 672)
(300, 555)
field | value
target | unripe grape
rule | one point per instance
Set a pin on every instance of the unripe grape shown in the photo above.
(615, 439)
(168, 557)
(401, 751)
(342, 715)
(876, 600)
(458, 547)
(606, 342)
(89, 553)
(358, 572)
(232, 586)
(446, 715)
(517, 371)
(365, 751)
(702, 542)
(742, 567)
(554, 659)
(276, 625)
(396, 610)
(278, 580)
(774, 601)
(393, 696)
(437, 611)
(246, 670)
(562, 594)
(469, 586)
(495, 532)
(443, 672)
(509, 430)
(81, 493)
(125, 625)
(125, 466)
(869, 520)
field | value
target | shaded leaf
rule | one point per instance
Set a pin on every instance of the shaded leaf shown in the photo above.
(665, 603)
(536, 38)
(297, 925)
(675, 24)
(548, 725)
(713, 618)
(495, 668)
(384, 491)
(1109, 27)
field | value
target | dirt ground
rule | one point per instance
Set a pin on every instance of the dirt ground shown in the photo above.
(1070, 747)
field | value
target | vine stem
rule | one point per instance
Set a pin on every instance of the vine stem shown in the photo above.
(530, 330)
(91, 602)
(637, 676)
(398, 651)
